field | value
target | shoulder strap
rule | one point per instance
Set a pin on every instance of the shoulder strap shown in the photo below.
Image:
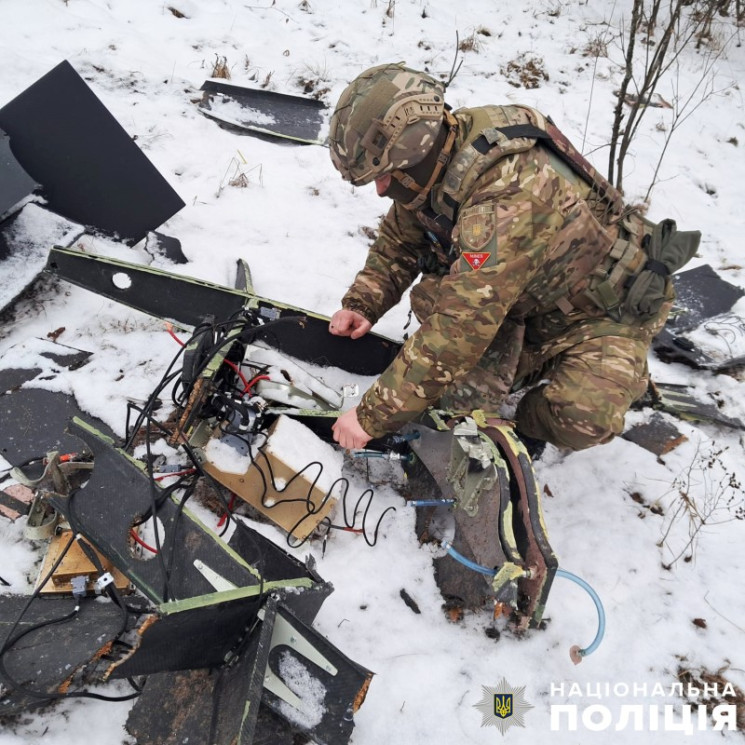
(470, 162)
(554, 138)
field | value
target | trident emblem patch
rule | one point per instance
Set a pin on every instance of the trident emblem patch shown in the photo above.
(503, 705)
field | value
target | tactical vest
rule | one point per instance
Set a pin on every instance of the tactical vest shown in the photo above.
(633, 279)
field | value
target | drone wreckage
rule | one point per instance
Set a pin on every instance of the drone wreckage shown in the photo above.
(216, 638)
(237, 616)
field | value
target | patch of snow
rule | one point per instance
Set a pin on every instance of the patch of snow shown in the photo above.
(311, 692)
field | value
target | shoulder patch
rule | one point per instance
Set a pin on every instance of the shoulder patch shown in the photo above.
(476, 259)
(472, 261)
(478, 228)
(477, 238)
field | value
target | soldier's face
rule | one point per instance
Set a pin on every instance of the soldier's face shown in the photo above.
(382, 183)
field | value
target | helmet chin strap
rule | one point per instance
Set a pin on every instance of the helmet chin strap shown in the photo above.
(411, 185)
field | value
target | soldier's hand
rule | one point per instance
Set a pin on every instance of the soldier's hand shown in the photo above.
(348, 432)
(349, 323)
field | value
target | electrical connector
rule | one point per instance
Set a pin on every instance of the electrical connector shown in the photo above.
(103, 582)
(166, 468)
(79, 586)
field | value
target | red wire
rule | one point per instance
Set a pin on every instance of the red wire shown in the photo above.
(169, 328)
(142, 543)
(237, 371)
(175, 473)
(246, 385)
(231, 504)
(250, 385)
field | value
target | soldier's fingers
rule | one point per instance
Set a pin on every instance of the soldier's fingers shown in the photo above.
(341, 436)
(361, 327)
(339, 324)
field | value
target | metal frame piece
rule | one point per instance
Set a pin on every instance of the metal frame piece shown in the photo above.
(189, 301)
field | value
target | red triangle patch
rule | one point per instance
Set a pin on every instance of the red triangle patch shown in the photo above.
(476, 259)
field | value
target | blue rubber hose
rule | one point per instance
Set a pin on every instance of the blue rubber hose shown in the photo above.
(467, 562)
(599, 607)
(430, 503)
(576, 652)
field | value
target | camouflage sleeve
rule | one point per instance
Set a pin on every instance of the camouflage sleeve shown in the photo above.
(510, 233)
(391, 265)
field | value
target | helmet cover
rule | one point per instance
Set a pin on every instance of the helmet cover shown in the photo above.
(387, 118)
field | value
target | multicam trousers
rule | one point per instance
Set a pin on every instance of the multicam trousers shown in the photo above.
(579, 398)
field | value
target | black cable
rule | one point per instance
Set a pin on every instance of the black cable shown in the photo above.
(220, 338)
(90, 552)
(168, 563)
(7, 471)
(228, 518)
(53, 696)
(159, 496)
(137, 685)
(370, 494)
(166, 552)
(170, 374)
(252, 329)
(11, 640)
(145, 415)
(9, 643)
(154, 510)
(36, 592)
(110, 589)
(197, 465)
(162, 494)
(148, 408)
(311, 508)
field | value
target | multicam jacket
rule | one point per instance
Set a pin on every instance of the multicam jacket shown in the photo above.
(527, 235)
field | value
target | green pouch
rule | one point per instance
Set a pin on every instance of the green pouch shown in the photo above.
(668, 250)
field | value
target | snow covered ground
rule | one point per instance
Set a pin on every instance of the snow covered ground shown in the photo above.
(302, 230)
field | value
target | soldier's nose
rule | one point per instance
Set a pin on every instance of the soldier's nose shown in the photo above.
(382, 183)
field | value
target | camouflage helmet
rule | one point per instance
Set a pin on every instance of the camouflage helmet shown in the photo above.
(387, 118)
